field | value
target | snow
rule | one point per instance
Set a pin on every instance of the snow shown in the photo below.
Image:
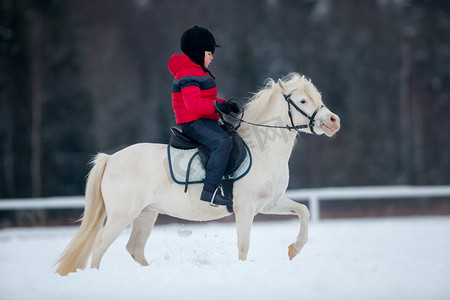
(394, 258)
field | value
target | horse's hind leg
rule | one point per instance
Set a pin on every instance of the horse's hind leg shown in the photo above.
(286, 206)
(110, 232)
(142, 227)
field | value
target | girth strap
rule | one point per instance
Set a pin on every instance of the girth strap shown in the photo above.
(188, 171)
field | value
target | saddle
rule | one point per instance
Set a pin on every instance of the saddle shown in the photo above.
(188, 158)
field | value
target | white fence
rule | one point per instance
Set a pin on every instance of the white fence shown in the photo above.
(42, 203)
(313, 196)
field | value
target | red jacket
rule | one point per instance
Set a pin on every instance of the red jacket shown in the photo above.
(193, 91)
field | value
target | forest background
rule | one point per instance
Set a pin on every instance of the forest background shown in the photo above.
(81, 77)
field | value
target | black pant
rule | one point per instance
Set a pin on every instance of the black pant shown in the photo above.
(210, 134)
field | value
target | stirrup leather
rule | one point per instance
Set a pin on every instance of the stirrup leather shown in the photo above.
(212, 198)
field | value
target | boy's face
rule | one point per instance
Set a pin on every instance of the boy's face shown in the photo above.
(208, 58)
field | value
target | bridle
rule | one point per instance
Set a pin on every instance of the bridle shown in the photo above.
(311, 118)
(290, 103)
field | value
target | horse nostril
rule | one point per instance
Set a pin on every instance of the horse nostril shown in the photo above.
(334, 119)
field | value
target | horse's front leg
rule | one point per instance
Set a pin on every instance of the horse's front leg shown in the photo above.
(244, 220)
(286, 206)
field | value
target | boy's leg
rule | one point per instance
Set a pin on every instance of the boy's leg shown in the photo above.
(210, 134)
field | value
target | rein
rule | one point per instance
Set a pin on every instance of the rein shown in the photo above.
(289, 102)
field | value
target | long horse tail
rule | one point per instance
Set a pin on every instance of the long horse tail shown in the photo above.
(78, 251)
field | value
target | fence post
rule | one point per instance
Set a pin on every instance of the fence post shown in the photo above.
(314, 207)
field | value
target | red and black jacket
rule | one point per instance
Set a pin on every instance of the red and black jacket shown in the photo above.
(193, 91)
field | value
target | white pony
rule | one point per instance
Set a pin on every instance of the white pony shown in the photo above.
(134, 185)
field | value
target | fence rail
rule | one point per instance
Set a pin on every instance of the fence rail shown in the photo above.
(313, 196)
(42, 203)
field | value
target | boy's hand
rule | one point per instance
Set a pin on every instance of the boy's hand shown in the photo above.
(227, 107)
(223, 107)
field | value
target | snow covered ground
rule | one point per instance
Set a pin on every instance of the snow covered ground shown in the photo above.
(395, 258)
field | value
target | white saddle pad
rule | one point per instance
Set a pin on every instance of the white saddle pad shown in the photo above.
(179, 160)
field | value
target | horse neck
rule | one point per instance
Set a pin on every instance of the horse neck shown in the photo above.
(270, 143)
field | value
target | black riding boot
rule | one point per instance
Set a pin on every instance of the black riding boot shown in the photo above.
(213, 195)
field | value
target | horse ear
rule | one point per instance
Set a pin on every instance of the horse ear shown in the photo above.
(281, 85)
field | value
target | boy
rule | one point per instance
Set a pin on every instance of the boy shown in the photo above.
(196, 106)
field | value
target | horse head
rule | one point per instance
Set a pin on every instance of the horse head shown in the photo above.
(297, 102)
(306, 111)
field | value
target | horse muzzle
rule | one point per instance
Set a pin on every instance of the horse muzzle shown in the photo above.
(330, 124)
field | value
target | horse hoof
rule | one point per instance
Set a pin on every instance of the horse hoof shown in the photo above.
(292, 252)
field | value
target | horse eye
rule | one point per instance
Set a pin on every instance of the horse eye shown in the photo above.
(303, 101)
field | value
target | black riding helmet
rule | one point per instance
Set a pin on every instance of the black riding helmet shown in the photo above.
(195, 41)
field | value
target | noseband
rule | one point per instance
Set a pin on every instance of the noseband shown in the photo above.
(293, 126)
